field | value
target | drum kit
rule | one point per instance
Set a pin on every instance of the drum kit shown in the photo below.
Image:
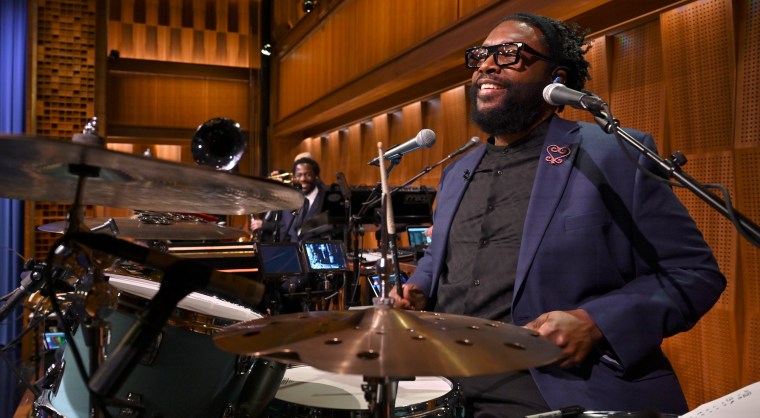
(178, 346)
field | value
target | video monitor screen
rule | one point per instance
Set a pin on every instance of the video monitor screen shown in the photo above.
(279, 259)
(325, 255)
(53, 340)
(417, 237)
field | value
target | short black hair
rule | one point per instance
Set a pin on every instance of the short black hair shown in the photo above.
(566, 45)
(306, 160)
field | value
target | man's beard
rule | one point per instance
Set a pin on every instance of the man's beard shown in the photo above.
(517, 112)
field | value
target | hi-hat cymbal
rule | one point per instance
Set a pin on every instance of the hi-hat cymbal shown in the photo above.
(43, 169)
(384, 341)
(134, 227)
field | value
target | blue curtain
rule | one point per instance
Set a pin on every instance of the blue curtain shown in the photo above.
(13, 51)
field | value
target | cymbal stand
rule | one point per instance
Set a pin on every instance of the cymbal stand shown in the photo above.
(380, 394)
(93, 295)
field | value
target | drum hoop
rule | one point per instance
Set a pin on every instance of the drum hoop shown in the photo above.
(180, 318)
(442, 402)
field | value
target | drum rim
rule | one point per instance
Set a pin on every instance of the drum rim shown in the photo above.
(446, 400)
(181, 317)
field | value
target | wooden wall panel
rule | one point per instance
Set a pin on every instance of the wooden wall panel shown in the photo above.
(153, 100)
(638, 98)
(64, 94)
(712, 342)
(354, 168)
(599, 84)
(219, 32)
(361, 34)
(748, 202)
(700, 95)
(747, 142)
(748, 93)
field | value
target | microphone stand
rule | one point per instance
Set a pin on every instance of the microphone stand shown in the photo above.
(355, 274)
(380, 392)
(672, 167)
(417, 176)
(371, 201)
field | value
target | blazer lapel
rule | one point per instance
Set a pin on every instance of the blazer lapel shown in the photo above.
(554, 168)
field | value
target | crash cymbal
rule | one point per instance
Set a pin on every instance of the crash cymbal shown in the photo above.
(43, 169)
(383, 341)
(139, 228)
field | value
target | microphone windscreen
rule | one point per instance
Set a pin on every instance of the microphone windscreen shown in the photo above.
(426, 138)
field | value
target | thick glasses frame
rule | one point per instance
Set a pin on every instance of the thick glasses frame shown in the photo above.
(499, 54)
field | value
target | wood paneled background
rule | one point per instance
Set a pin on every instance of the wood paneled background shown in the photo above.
(356, 72)
(655, 71)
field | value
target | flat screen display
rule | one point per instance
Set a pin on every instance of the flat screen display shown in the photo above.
(325, 255)
(279, 259)
(417, 237)
(53, 340)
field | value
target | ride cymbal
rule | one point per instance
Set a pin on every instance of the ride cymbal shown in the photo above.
(44, 169)
(384, 341)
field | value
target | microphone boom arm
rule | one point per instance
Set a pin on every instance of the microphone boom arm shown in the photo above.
(413, 179)
(746, 227)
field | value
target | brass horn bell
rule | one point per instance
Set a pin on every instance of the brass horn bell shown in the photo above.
(218, 143)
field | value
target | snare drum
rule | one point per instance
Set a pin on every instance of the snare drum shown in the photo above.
(308, 392)
(183, 374)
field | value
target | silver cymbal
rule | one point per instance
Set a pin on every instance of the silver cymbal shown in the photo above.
(44, 169)
(384, 341)
(133, 227)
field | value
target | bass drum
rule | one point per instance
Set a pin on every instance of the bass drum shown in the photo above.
(183, 374)
(306, 392)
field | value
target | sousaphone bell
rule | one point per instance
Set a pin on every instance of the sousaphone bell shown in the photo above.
(218, 143)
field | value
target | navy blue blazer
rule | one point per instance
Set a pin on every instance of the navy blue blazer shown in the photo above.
(602, 236)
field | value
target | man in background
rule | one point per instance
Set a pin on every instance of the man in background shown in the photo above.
(287, 226)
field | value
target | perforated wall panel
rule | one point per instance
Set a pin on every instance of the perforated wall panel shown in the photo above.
(748, 202)
(748, 92)
(65, 88)
(700, 88)
(718, 230)
(705, 358)
(750, 359)
(597, 57)
(637, 90)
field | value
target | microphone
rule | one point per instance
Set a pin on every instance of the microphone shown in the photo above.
(424, 139)
(466, 147)
(557, 94)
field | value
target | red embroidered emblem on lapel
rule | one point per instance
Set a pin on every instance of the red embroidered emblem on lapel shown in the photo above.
(557, 154)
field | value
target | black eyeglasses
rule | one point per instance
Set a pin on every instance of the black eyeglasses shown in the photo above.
(504, 54)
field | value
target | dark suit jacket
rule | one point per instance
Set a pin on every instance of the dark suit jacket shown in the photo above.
(294, 222)
(599, 235)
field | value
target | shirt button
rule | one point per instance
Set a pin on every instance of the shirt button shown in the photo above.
(499, 172)
(477, 282)
(483, 243)
(490, 208)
